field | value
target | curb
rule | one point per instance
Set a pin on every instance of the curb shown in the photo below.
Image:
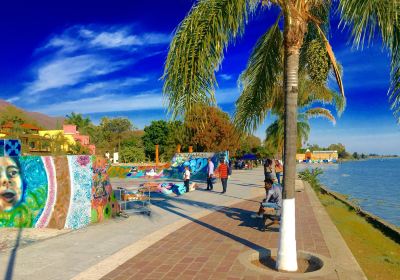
(386, 228)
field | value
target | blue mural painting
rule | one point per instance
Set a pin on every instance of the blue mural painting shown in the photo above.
(10, 147)
(197, 163)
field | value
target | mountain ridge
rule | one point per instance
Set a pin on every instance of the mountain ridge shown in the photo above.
(43, 120)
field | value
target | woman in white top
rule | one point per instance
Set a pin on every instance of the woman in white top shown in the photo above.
(186, 178)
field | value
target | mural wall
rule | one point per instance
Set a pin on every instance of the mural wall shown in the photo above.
(10, 147)
(197, 163)
(104, 203)
(55, 192)
(138, 171)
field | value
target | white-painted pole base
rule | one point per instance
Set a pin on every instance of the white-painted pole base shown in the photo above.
(287, 253)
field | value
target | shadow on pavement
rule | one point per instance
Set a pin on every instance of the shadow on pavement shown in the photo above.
(204, 190)
(171, 204)
(13, 255)
(169, 207)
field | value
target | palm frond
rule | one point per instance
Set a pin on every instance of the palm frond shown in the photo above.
(197, 50)
(320, 112)
(364, 17)
(259, 81)
(394, 91)
(310, 93)
(275, 135)
(303, 131)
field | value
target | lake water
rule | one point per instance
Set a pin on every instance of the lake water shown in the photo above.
(374, 184)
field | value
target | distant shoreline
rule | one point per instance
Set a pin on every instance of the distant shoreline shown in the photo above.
(364, 159)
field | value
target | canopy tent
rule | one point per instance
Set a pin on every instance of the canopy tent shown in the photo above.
(249, 157)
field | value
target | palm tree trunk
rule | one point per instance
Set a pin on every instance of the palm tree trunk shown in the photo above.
(293, 37)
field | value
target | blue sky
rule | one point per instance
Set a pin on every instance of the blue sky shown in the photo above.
(105, 58)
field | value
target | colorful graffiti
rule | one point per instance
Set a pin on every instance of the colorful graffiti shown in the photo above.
(168, 188)
(104, 203)
(10, 147)
(138, 171)
(197, 163)
(55, 192)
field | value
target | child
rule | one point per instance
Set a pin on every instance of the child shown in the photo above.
(186, 178)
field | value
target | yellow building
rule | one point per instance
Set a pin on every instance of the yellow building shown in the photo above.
(66, 139)
(318, 156)
(325, 155)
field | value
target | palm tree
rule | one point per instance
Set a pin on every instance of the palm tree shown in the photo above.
(83, 125)
(200, 40)
(275, 131)
(312, 89)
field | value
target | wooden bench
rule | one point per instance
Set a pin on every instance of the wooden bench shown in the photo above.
(270, 214)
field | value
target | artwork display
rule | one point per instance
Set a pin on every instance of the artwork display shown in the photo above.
(55, 192)
(197, 163)
(137, 171)
(104, 203)
(10, 147)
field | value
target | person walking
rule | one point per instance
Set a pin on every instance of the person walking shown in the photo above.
(210, 174)
(186, 178)
(223, 174)
(278, 170)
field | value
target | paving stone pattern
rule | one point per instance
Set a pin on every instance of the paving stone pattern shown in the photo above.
(208, 248)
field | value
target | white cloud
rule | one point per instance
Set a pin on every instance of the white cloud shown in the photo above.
(115, 40)
(227, 95)
(113, 85)
(86, 54)
(103, 37)
(105, 103)
(225, 77)
(13, 99)
(69, 71)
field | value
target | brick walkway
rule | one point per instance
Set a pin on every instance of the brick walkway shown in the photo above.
(208, 248)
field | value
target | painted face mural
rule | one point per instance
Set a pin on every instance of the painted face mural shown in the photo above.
(10, 183)
(23, 191)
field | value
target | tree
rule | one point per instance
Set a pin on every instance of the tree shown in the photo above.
(197, 50)
(82, 124)
(311, 90)
(211, 130)
(113, 129)
(356, 155)
(156, 133)
(248, 144)
(341, 149)
(132, 154)
(132, 148)
(59, 144)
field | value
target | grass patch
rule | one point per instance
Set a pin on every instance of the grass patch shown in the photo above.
(378, 255)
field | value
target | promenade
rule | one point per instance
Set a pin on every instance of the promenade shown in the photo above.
(200, 235)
